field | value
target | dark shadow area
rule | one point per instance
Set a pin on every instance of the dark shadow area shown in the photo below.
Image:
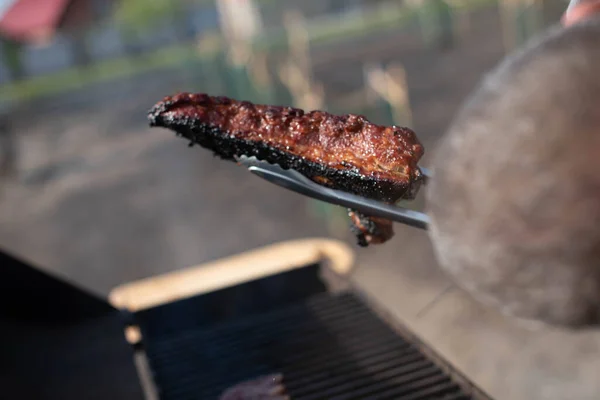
(58, 341)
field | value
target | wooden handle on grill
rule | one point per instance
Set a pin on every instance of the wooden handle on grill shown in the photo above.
(231, 271)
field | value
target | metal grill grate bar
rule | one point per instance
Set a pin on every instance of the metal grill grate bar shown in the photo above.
(362, 379)
(298, 332)
(321, 370)
(340, 375)
(329, 347)
(426, 390)
(303, 320)
(403, 386)
(399, 375)
(256, 351)
(230, 329)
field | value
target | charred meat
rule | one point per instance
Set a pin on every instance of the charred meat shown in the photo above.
(346, 152)
(370, 230)
(268, 387)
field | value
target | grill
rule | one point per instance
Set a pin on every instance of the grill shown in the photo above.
(328, 346)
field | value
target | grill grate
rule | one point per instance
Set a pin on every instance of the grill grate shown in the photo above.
(327, 347)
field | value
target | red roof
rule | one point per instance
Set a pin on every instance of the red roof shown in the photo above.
(32, 20)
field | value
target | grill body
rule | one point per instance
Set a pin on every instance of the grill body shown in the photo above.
(327, 345)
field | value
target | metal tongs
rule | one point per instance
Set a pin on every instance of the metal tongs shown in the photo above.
(298, 183)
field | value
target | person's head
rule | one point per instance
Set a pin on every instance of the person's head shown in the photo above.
(515, 199)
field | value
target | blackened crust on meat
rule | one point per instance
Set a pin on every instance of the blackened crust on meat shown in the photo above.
(194, 117)
(370, 230)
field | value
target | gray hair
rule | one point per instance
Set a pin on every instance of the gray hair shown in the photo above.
(515, 199)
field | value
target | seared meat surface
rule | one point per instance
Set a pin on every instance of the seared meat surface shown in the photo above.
(370, 230)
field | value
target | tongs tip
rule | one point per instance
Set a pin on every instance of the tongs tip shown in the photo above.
(293, 180)
(426, 172)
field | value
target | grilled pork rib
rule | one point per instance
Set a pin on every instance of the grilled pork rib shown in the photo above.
(346, 152)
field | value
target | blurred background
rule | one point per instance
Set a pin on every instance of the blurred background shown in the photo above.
(89, 192)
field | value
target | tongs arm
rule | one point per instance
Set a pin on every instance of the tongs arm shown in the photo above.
(298, 183)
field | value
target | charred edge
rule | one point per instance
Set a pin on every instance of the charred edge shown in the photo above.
(363, 226)
(154, 115)
(361, 237)
(227, 147)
